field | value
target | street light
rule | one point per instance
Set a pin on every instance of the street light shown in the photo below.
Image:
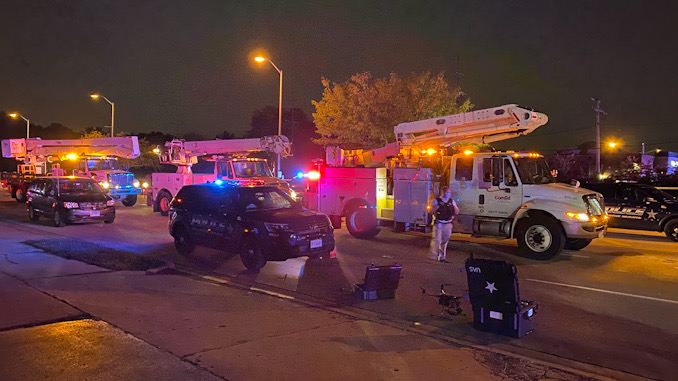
(96, 97)
(262, 59)
(15, 115)
(612, 144)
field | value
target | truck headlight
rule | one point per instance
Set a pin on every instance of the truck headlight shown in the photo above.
(136, 183)
(293, 194)
(71, 205)
(106, 184)
(145, 185)
(578, 216)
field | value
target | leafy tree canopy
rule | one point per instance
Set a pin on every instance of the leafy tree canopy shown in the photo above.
(361, 112)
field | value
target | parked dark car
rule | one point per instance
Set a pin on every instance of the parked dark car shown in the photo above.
(68, 199)
(639, 206)
(261, 223)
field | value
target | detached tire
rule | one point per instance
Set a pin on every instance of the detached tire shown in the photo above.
(130, 200)
(251, 254)
(164, 200)
(540, 237)
(577, 243)
(182, 241)
(671, 230)
(362, 223)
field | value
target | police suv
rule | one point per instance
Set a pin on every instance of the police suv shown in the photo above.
(639, 206)
(261, 223)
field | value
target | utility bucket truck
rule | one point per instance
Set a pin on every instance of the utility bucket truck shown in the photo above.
(95, 158)
(231, 165)
(499, 194)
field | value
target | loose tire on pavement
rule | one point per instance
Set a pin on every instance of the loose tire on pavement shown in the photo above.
(58, 219)
(362, 223)
(182, 241)
(130, 200)
(540, 237)
(251, 254)
(164, 200)
(577, 243)
(671, 230)
(32, 215)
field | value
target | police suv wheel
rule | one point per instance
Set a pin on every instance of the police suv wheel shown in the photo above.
(362, 223)
(182, 241)
(540, 237)
(164, 200)
(130, 200)
(671, 230)
(577, 244)
(251, 255)
(32, 215)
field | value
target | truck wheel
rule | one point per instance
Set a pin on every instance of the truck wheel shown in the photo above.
(129, 200)
(251, 254)
(182, 241)
(164, 200)
(336, 221)
(362, 223)
(540, 237)
(577, 244)
(20, 195)
(32, 215)
(109, 221)
(671, 230)
(58, 219)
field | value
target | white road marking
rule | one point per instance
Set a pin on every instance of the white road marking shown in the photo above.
(605, 291)
(283, 296)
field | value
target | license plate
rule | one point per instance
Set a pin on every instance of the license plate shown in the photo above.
(94, 213)
(316, 243)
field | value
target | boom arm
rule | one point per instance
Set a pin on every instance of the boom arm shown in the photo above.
(179, 152)
(36, 149)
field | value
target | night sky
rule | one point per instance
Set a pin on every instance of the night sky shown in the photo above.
(181, 66)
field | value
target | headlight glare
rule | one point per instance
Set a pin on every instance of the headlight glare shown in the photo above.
(578, 216)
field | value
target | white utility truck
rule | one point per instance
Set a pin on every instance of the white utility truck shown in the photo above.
(95, 158)
(230, 165)
(499, 194)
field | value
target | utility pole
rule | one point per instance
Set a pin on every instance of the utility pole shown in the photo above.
(598, 111)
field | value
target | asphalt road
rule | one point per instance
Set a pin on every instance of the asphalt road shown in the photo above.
(613, 304)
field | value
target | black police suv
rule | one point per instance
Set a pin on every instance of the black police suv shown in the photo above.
(69, 199)
(261, 223)
(639, 206)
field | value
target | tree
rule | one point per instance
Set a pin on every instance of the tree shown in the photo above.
(361, 112)
(225, 135)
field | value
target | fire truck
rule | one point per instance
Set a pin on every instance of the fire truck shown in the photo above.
(96, 158)
(231, 164)
(499, 194)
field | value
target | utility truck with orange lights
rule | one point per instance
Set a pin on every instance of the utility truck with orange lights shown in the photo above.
(231, 165)
(499, 194)
(95, 158)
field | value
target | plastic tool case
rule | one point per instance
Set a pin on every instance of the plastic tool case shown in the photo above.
(381, 282)
(494, 295)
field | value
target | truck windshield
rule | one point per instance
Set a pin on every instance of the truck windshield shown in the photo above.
(251, 169)
(79, 186)
(99, 165)
(534, 170)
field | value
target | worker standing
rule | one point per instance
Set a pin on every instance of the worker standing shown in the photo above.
(445, 211)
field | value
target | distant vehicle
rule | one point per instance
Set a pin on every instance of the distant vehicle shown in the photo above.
(639, 206)
(69, 199)
(261, 223)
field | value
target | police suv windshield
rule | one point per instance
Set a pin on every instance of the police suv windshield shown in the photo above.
(264, 199)
(657, 194)
(534, 170)
(251, 169)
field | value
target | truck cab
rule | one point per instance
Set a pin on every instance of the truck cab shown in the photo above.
(112, 176)
(514, 195)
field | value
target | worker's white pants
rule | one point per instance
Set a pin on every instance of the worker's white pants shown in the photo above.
(441, 237)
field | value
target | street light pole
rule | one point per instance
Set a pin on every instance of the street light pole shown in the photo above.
(598, 111)
(97, 96)
(261, 59)
(14, 115)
